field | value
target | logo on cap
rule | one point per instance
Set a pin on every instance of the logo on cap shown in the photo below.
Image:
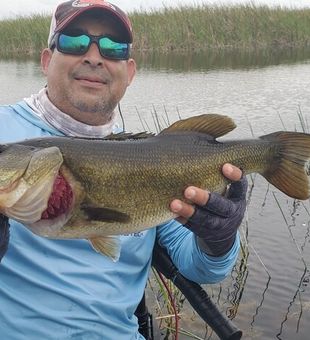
(86, 3)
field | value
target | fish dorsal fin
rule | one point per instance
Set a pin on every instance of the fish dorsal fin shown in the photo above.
(214, 125)
(128, 135)
(120, 136)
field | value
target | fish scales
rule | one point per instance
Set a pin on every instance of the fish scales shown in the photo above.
(131, 173)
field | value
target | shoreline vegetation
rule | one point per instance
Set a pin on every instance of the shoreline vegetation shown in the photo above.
(182, 29)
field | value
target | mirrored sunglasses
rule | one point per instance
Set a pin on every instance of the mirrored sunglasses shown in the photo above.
(79, 45)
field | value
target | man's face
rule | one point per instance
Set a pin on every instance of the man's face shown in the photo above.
(87, 87)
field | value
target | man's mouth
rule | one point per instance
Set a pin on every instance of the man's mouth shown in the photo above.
(91, 81)
(95, 80)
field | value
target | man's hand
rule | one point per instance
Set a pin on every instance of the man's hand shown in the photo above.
(212, 217)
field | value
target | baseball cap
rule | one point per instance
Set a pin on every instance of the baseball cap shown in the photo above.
(67, 11)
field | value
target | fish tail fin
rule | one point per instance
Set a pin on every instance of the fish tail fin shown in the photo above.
(290, 171)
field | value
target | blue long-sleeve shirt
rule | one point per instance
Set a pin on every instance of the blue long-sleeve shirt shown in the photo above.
(63, 289)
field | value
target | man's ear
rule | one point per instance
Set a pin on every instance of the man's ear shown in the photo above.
(131, 69)
(46, 56)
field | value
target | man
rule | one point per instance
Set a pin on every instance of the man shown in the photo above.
(61, 289)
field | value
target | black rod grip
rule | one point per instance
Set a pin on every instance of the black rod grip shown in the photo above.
(196, 296)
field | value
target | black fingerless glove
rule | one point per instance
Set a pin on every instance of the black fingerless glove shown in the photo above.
(216, 223)
(4, 235)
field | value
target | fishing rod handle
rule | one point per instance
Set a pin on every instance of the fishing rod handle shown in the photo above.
(196, 296)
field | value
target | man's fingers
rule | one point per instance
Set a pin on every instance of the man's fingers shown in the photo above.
(231, 172)
(193, 195)
(182, 209)
(220, 205)
(238, 190)
(200, 197)
(196, 195)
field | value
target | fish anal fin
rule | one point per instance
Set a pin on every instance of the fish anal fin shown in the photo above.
(95, 213)
(108, 246)
(214, 125)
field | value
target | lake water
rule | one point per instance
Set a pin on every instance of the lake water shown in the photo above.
(268, 293)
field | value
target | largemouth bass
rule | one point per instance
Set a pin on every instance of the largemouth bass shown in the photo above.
(66, 188)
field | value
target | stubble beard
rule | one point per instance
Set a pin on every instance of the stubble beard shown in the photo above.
(100, 109)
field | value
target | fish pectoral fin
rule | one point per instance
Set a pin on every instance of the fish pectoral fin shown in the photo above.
(211, 124)
(95, 213)
(109, 246)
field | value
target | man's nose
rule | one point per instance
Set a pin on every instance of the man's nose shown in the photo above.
(93, 56)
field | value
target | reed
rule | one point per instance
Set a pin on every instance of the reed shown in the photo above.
(184, 28)
(220, 27)
(24, 36)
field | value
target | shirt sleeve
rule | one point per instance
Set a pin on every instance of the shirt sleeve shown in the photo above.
(192, 262)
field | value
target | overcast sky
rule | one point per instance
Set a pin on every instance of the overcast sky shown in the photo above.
(13, 8)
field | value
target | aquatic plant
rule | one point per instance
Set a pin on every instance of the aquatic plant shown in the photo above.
(182, 29)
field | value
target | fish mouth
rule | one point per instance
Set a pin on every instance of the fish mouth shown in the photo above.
(28, 208)
(46, 207)
(25, 195)
(58, 209)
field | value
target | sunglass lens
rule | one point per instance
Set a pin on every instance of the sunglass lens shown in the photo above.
(112, 49)
(74, 45)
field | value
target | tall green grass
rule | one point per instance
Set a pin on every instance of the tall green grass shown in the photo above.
(185, 28)
(24, 36)
(212, 27)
